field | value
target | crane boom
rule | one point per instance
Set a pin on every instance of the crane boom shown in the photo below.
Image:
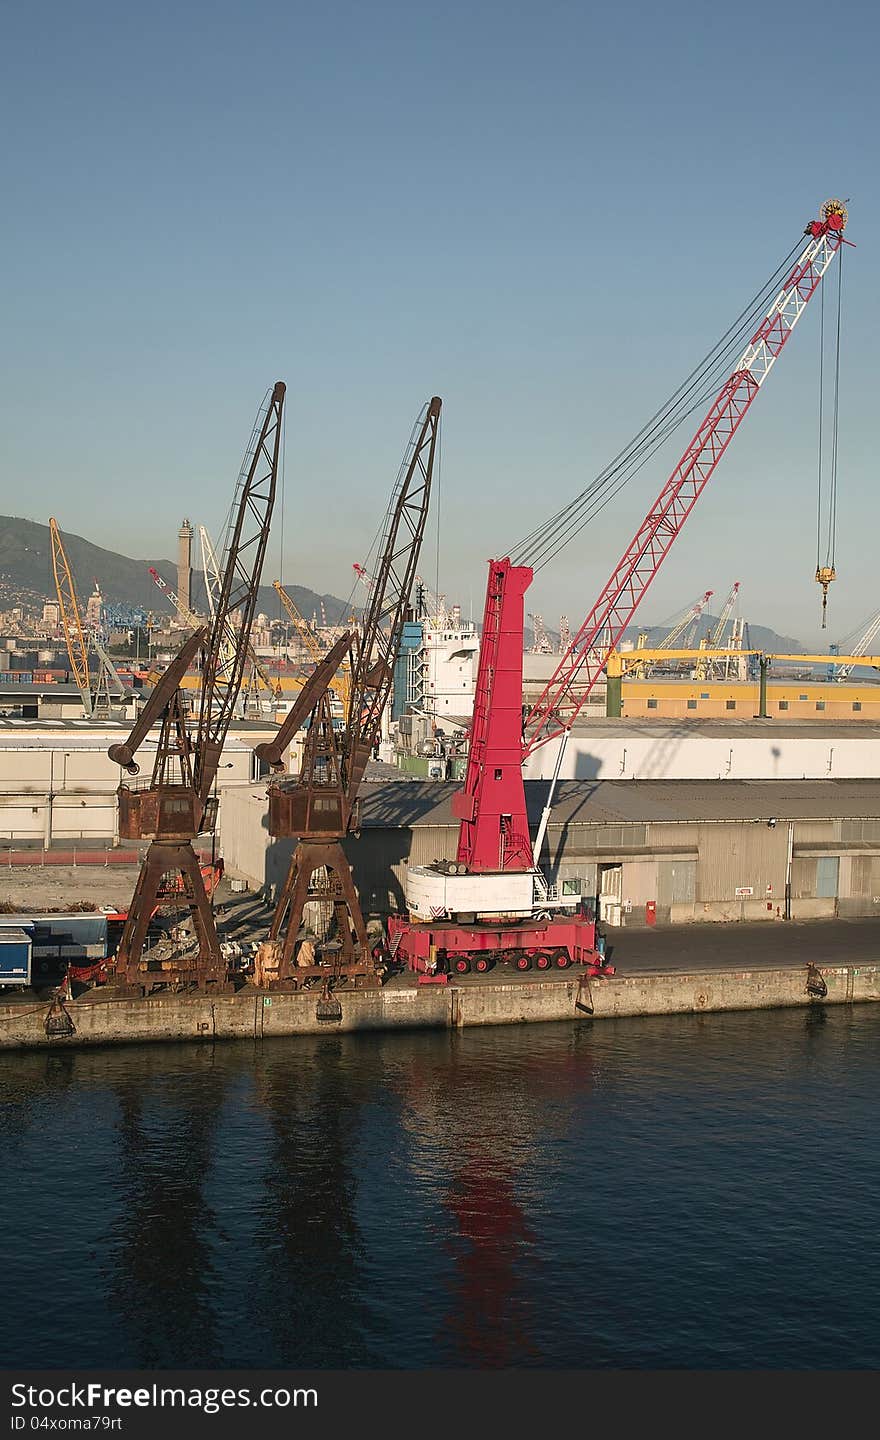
(684, 626)
(860, 648)
(717, 635)
(245, 551)
(577, 672)
(210, 569)
(494, 832)
(71, 620)
(183, 610)
(390, 596)
(342, 681)
(317, 807)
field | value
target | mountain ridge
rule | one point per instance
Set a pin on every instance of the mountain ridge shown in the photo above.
(26, 564)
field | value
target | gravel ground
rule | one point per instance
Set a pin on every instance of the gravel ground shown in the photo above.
(38, 888)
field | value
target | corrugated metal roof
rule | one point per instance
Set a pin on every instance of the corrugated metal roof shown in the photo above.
(722, 727)
(604, 802)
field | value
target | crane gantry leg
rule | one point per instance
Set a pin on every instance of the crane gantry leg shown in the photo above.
(319, 871)
(204, 966)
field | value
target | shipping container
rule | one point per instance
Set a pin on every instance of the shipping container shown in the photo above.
(15, 955)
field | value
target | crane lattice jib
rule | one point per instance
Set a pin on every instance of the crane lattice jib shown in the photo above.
(299, 622)
(342, 680)
(210, 570)
(183, 610)
(241, 578)
(390, 596)
(714, 641)
(577, 672)
(71, 621)
(861, 646)
(670, 641)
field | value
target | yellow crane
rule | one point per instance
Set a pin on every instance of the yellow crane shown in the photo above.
(76, 639)
(342, 681)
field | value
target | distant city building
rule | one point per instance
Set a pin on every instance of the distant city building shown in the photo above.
(184, 564)
(51, 614)
(94, 605)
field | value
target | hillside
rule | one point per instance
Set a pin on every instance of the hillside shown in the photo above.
(758, 637)
(26, 574)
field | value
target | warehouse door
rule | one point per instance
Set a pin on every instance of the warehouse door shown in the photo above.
(610, 893)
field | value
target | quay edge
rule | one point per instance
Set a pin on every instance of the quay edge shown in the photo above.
(251, 1014)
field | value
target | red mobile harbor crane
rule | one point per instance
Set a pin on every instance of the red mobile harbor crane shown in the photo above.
(493, 901)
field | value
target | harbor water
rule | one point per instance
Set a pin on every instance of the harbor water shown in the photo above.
(692, 1192)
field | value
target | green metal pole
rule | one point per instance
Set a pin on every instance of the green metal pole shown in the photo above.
(762, 687)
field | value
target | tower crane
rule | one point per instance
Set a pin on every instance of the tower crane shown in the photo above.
(79, 639)
(177, 803)
(494, 899)
(318, 806)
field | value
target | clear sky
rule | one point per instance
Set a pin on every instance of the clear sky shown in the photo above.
(544, 213)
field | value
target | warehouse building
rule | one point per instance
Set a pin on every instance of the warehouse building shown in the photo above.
(58, 784)
(644, 852)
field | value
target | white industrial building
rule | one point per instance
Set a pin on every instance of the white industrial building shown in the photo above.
(57, 782)
(632, 749)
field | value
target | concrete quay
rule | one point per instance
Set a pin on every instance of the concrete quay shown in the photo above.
(744, 972)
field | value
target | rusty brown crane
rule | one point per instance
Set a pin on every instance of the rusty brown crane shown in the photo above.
(317, 806)
(177, 803)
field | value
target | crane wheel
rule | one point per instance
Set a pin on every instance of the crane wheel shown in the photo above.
(561, 959)
(523, 962)
(543, 961)
(462, 965)
(483, 964)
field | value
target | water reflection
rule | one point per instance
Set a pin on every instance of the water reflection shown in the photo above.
(313, 1301)
(484, 1125)
(162, 1272)
(630, 1194)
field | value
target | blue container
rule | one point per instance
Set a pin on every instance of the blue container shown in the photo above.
(15, 956)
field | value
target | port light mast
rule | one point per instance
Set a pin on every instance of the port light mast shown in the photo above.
(491, 807)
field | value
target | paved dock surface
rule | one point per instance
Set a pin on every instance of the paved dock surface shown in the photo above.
(733, 946)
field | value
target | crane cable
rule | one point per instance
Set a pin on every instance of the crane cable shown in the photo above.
(825, 571)
(548, 539)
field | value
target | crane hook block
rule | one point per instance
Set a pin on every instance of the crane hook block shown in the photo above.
(824, 575)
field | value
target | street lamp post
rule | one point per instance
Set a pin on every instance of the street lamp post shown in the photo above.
(788, 858)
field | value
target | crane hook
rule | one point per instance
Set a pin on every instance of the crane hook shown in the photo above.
(824, 575)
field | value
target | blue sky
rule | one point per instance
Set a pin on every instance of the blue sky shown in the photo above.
(546, 214)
